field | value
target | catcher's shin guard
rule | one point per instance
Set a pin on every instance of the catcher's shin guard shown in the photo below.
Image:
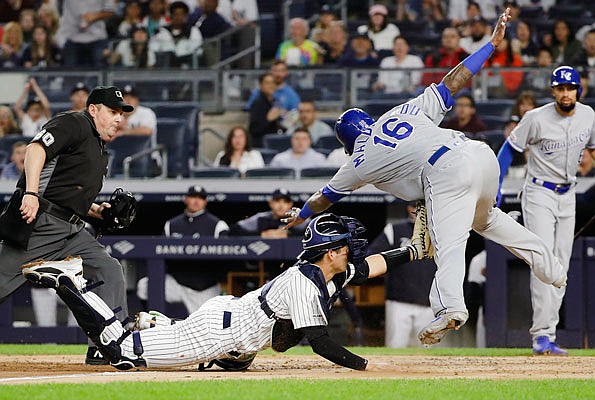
(99, 323)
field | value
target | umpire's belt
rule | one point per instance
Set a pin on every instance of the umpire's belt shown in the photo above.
(62, 213)
(559, 188)
(437, 154)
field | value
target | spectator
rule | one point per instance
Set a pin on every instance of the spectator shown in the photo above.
(84, 33)
(407, 307)
(515, 14)
(586, 168)
(429, 11)
(47, 17)
(583, 30)
(538, 79)
(326, 17)
(586, 57)
(460, 11)
(448, 55)
(300, 155)
(265, 114)
(12, 171)
(178, 42)
(41, 52)
(399, 82)
(466, 119)
(208, 20)
(135, 50)
(37, 111)
(11, 9)
(379, 30)
(8, 125)
(267, 224)
(360, 54)
(27, 22)
(241, 14)
(238, 152)
(335, 43)
(78, 97)
(504, 84)
(525, 101)
(132, 17)
(308, 118)
(142, 121)
(478, 35)
(285, 95)
(191, 282)
(12, 45)
(298, 50)
(564, 46)
(157, 18)
(524, 44)
(585, 84)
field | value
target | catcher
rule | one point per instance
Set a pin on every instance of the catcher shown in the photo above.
(65, 165)
(227, 330)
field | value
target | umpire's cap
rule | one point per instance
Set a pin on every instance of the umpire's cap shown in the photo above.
(111, 96)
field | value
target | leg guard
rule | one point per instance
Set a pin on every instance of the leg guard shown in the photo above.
(98, 322)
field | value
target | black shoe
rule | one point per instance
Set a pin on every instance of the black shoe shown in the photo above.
(94, 357)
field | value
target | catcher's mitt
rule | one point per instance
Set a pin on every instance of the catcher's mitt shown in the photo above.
(122, 212)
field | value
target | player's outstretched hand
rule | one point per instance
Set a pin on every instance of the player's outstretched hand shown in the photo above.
(500, 28)
(292, 218)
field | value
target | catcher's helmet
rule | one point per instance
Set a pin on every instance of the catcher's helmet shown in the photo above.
(350, 125)
(566, 75)
(329, 231)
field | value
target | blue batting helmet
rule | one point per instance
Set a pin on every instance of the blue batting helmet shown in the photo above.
(566, 75)
(329, 231)
(350, 125)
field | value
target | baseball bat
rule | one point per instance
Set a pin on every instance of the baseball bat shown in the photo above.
(585, 226)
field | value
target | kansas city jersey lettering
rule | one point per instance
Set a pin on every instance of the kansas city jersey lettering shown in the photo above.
(548, 146)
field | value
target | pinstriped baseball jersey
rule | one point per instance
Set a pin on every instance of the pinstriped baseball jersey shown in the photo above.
(393, 155)
(227, 324)
(555, 142)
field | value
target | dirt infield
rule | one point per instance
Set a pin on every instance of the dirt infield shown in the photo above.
(70, 369)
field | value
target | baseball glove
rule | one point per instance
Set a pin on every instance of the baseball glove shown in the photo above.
(122, 212)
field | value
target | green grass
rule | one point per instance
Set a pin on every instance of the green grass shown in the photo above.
(33, 349)
(439, 389)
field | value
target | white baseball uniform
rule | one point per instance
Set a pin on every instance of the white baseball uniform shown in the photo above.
(555, 145)
(227, 324)
(408, 155)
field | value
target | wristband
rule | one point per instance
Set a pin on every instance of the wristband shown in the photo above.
(476, 60)
(32, 194)
(396, 257)
(305, 212)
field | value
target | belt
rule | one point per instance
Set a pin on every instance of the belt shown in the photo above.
(63, 214)
(559, 188)
(437, 154)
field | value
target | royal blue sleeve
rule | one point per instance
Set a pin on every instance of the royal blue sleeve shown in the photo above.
(505, 159)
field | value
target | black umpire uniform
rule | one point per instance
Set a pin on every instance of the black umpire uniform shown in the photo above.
(71, 177)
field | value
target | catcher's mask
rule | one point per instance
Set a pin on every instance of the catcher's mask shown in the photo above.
(330, 232)
(350, 125)
(122, 212)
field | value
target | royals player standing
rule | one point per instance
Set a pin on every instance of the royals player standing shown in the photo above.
(405, 153)
(229, 329)
(555, 136)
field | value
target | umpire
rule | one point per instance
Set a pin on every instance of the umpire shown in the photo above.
(65, 165)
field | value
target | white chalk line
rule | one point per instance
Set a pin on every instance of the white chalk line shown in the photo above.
(37, 378)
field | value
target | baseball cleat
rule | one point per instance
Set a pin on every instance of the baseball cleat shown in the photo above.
(543, 346)
(46, 273)
(421, 245)
(94, 357)
(435, 330)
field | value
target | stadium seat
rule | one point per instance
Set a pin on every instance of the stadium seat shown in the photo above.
(496, 108)
(215, 172)
(267, 154)
(270, 173)
(566, 11)
(276, 141)
(319, 172)
(531, 13)
(171, 133)
(189, 112)
(376, 109)
(4, 158)
(494, 138)
(495, 122)
(124, 146)
(327, 143)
